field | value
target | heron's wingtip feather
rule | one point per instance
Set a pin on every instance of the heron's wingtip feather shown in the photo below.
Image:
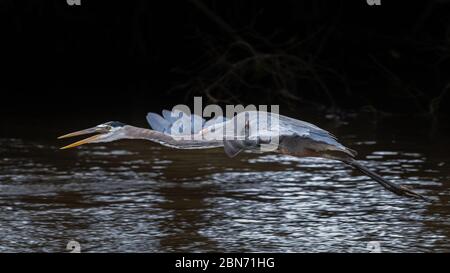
(157, 122)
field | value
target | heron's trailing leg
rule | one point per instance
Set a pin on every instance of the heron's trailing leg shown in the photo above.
(307, 147)
(397, 189)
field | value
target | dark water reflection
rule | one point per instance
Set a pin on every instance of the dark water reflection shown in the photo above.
(135, 196)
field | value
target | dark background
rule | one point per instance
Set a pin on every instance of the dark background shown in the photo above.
(120, 59)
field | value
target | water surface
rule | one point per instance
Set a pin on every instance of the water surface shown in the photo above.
(134, 196)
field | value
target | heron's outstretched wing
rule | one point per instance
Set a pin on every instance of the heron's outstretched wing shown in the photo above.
(255, 131)
(174, 123)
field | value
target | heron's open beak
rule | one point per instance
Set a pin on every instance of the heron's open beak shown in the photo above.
(93, 130)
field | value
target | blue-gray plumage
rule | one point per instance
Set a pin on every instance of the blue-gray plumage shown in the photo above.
(250, 131)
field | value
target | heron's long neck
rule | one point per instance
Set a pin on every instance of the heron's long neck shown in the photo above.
(132, 132)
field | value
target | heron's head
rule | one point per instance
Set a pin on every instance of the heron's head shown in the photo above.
(105, 132)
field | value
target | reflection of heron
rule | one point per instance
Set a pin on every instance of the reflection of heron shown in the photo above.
(295, 137)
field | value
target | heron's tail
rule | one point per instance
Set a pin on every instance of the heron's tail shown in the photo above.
(397, 189)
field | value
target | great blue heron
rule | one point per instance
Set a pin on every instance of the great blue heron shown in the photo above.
(295, 137)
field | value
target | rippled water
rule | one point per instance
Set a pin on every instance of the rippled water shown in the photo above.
(136, 196)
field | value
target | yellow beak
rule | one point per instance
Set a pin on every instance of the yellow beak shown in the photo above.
(83, 132)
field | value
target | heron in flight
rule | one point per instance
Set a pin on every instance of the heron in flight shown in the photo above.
(295, 137)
